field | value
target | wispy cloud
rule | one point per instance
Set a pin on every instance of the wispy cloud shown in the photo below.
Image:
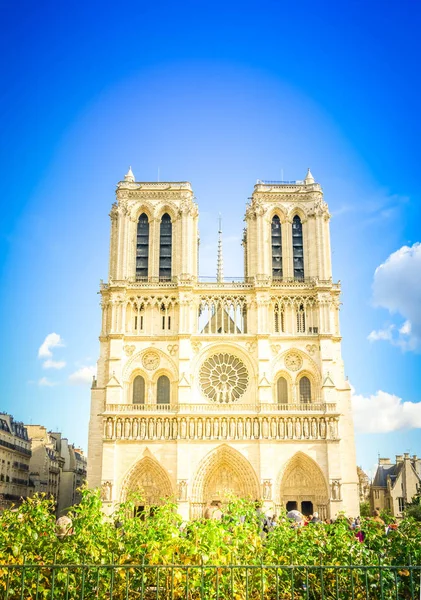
(53, 340)
(82, 376)
(383, 413)
(45, 382)
(53, 364)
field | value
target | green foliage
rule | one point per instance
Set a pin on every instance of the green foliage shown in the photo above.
(365, 510)
(28, 536)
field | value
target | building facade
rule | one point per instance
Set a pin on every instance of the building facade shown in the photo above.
(46, 462)
(15, 454)
(72, 475)
(396, 484)
(207, 388)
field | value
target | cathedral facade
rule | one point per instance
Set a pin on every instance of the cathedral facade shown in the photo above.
(206, 388)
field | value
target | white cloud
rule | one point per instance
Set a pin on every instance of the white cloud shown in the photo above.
(53, 340)
(383, 412)
(397, 287)
(82, 376)
(382, 334)
(53, 364)
(44, 382)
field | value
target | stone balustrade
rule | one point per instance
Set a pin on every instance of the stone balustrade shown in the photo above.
(267, 408)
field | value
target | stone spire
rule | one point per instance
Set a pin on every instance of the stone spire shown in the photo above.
(220, 260)
(129, 176)
(309, 179)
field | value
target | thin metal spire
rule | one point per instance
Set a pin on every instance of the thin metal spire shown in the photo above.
(220, 260)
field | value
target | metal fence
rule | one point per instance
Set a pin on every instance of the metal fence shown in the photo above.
(208, 582)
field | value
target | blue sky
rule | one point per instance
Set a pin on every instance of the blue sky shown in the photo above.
(219, 94)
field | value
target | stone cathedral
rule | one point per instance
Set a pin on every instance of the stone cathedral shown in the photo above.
(209, 387)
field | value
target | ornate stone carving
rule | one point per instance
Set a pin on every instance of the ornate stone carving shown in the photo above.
(182, 489)
(223, 378)
(267, 489)
(311, 349)
(106, 491)
(129, 350)
(293, 361)
(196, 346)
(336, 489)
(172, 349)
(150, 360)
(219, 428)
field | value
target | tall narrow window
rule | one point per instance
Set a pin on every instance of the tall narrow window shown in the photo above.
(278, 320)
(138, 390)
(163, 390)
(165, 247)
(297, 247)
(301, 320)
(282, 390)
(305, 390)
(142, 247)
(276, 248)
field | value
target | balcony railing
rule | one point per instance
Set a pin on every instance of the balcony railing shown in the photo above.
(308, 407)
(228, 282)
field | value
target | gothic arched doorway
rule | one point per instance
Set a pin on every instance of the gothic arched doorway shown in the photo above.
(223, 472)
(303, 486)
(149, 479)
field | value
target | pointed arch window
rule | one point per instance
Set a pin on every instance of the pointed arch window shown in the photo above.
(163, 390)
(305, 390)
(282, 390)
(278, 320)
(297, 247)
(142, 247)
(276, 248)
(138, 390)
(165, 247)
(301, 319)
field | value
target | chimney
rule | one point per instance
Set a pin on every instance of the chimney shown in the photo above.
(406, 455)
(384, 461)
(399, 458)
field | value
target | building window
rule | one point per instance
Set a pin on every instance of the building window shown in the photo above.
(138, 323)
(282, 390)
(276, 248)
(165, 247)
(163, 390)
(142, 247)
(138, 390)
(278, 320)
(401, 504)
(305, 390)
(301, 320)
(297, 248)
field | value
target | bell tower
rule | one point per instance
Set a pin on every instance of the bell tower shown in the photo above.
(288, 231)
(153, 231)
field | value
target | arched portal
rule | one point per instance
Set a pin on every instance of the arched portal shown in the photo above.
(223, 472)
(304, 487)
(149, 479)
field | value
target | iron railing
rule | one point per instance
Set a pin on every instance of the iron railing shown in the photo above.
(209, 582)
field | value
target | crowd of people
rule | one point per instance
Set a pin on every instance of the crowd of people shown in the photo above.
(297, 519)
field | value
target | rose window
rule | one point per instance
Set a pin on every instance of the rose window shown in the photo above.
(223, 378)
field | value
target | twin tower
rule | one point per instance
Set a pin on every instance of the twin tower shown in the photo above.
(211, 388)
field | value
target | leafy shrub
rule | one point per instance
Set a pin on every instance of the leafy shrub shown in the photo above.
(28, 536)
